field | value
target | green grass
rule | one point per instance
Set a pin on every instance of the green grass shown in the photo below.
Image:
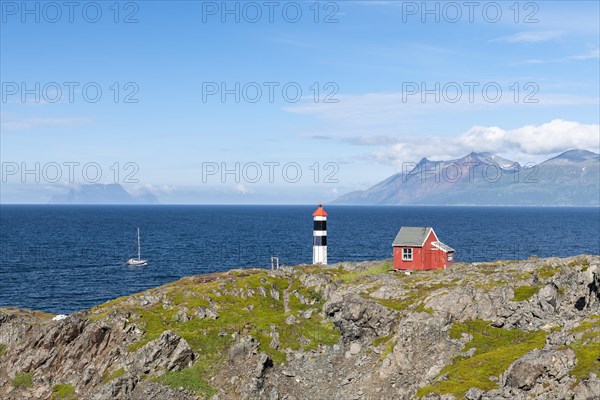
(495, 350)
(381, 340)
(114, 375)
(239, 313)
(23, 380)
(490, 268)
(3, 348)
(389, 345)
(587, 353)
(579, 261)
(421, 308)
(487, 268)
(190, 378)
(388, 349)
(547, 271)
(587, 348)
(375, 270)
(414, 299)
(395, 304)
(63, 392)
(587, 325)
(490, 284)
(523, 293)
(525, 275)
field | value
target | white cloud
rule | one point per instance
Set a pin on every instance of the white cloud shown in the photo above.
(157, 190)
(534, 61)
(241, 189)
(554, 136)
(527, 143)
(588, 55)
(359, 116)
(529, 37)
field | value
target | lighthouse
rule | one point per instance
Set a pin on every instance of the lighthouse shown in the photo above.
(320, 236)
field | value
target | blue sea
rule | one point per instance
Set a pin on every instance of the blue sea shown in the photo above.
(64, 258)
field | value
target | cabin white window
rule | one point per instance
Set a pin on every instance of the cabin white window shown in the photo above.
(450, 256)
(407, 254)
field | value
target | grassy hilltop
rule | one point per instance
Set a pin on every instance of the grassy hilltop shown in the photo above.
(508, 329)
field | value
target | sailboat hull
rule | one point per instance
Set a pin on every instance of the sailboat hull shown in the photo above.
(133, 262)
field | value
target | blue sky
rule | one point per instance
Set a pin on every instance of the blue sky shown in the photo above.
(374, 57)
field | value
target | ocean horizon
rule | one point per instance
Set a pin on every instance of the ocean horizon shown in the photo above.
(63, 258)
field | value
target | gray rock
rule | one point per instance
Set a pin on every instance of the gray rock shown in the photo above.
(415, 346)
(274, 338)
(243, 348)
(525, 372)
(169, 351)
(356, 317)
(274, 293)
(588, 389)
(200, 312)
(182, 315)
(548, 297)
(148, 390)
(474, 394)
(212, 313)
(264, 362)
(355, 348)
(301, 298)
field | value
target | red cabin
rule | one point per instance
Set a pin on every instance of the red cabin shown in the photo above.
(417, 248)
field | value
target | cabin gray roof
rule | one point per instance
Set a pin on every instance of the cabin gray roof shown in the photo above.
(411, 236)
(443, 247)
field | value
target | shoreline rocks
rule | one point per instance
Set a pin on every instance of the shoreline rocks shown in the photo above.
(347, 331)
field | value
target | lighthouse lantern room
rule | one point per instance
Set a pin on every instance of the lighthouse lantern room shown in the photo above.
(320, 236)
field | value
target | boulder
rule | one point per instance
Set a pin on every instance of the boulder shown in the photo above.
(527, 371)
(548, 298)
(588, 389)
(357, 318)
(169, 351)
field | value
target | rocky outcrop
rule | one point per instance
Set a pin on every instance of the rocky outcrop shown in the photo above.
(84, 353)
(347, 331)
(421, 351)
(588, 389)
(169, 352)
(357, 318)
(539, 366)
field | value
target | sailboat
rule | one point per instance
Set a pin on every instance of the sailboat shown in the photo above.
(137, 262)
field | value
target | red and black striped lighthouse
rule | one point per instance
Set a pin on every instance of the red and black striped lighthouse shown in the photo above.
(320, 236)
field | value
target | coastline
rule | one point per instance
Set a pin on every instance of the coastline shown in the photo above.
(252, 333)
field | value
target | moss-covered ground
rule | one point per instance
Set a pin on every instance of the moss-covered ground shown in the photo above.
(23, 380)
(523, 293)
(114, 375)
(248, 302)
(251, 302)
(587, 348)
(63, 392)
(495, 350)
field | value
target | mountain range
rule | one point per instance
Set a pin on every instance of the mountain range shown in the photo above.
(101, 194)
(569, 179)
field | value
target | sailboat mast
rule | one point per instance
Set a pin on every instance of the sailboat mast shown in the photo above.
(139, 252)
